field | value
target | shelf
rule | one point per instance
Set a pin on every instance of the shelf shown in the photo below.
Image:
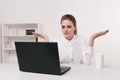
(11, 33)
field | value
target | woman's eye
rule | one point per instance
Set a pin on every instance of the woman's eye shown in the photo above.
(69, 26)
(63, 27)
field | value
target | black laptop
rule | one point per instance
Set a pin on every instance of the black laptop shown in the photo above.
(39, 57)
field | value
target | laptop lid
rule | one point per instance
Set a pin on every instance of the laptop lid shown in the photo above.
(38, 57)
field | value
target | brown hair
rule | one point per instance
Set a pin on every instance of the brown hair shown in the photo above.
(70, 18)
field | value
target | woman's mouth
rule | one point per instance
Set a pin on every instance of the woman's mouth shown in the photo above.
(66, 33)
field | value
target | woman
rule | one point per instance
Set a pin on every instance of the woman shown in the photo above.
(73, 47)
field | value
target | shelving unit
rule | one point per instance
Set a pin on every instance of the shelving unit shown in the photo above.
(16, 32)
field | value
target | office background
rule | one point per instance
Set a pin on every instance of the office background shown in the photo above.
(91, 16)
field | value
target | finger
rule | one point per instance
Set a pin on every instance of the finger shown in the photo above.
(107, 31)
(33, 32)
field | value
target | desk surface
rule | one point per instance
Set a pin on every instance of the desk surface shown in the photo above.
(77, 72)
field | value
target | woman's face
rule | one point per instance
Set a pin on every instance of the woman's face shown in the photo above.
(68, 29)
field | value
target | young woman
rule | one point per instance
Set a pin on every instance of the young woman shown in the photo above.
(72, 47)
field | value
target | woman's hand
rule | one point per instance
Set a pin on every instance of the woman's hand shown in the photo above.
(43, 36)
(96, 35)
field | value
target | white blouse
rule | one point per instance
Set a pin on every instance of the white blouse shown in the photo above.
(75, 50)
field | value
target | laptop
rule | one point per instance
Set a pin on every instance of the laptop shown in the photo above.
(39, 57)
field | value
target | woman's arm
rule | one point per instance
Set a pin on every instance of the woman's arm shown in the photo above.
(96, 35)
(43, 36)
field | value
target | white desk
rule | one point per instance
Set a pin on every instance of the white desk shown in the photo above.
(77, 72)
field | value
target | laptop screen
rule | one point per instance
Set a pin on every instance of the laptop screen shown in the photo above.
(38, 57)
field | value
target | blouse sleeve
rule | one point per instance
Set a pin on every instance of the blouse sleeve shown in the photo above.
(87, 52)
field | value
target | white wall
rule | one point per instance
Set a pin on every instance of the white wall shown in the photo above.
(3, 9)
(91, 15)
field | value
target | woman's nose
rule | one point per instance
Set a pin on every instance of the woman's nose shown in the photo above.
(65, 29)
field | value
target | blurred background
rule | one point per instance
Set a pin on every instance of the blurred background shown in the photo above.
(91, 16)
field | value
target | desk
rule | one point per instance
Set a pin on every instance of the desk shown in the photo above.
(77, 72)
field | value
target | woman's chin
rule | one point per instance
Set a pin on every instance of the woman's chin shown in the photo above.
(68, 38)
